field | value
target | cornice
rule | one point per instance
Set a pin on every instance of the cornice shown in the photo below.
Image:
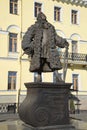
(75, 2)
(4, 32)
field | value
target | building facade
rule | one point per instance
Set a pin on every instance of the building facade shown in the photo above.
(69, 18)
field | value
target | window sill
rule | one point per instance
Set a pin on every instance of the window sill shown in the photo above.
(75, 24)
(57, 21)
(13, 54)
(13, 14)
(9, 90)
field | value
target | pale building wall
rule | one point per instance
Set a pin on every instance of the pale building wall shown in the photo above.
(9, 19)
(3, 44)
(19, 23)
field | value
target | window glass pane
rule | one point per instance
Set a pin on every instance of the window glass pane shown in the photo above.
(35, 13)
(75, 81)
(14, 83)
(11, 8)
(74, 47)
(9, 83)
(15, 47)
(15, 9)
(54, 14)
(10, 45)
(12, 80)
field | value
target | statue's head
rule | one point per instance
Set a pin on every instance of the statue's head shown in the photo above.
(41, 17)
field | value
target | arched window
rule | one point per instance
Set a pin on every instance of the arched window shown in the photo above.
(74, 46)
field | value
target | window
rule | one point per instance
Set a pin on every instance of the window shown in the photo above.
(74, 17)
(12, 42)
(74, 50)
(74, 46)
(75, 81)
(37, 8)
(13, 6)
(12, 80)
(57, 13)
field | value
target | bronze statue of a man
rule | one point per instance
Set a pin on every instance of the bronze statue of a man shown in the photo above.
(40, 42)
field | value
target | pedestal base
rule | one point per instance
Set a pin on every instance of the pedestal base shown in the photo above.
(46, 104)
(56, 127)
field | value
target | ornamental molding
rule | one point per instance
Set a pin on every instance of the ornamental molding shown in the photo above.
(13, 27)
(75, 36)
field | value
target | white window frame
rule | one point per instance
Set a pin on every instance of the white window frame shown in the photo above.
(61, 13)
(13, 41)
(78, 17)
(13, 9)
(40, 2)
(74, 43)
(12, 82)
(79, 80)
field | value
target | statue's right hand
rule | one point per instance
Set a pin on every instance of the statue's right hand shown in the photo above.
(29, 48)
(27, 51)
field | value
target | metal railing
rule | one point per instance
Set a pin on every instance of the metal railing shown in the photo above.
(7, 108)
(74, 56)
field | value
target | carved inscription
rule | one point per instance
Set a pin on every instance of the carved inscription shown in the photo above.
(56, 103)
(54, 100)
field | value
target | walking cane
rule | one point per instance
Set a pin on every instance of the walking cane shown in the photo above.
(65, 63)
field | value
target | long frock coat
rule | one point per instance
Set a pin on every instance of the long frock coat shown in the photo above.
(31, 44)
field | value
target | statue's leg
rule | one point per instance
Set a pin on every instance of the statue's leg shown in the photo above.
(39, 77)
(58, 76)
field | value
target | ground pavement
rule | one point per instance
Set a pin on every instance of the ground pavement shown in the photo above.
(12, 122)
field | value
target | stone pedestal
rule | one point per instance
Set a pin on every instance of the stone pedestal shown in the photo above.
(46, 104)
